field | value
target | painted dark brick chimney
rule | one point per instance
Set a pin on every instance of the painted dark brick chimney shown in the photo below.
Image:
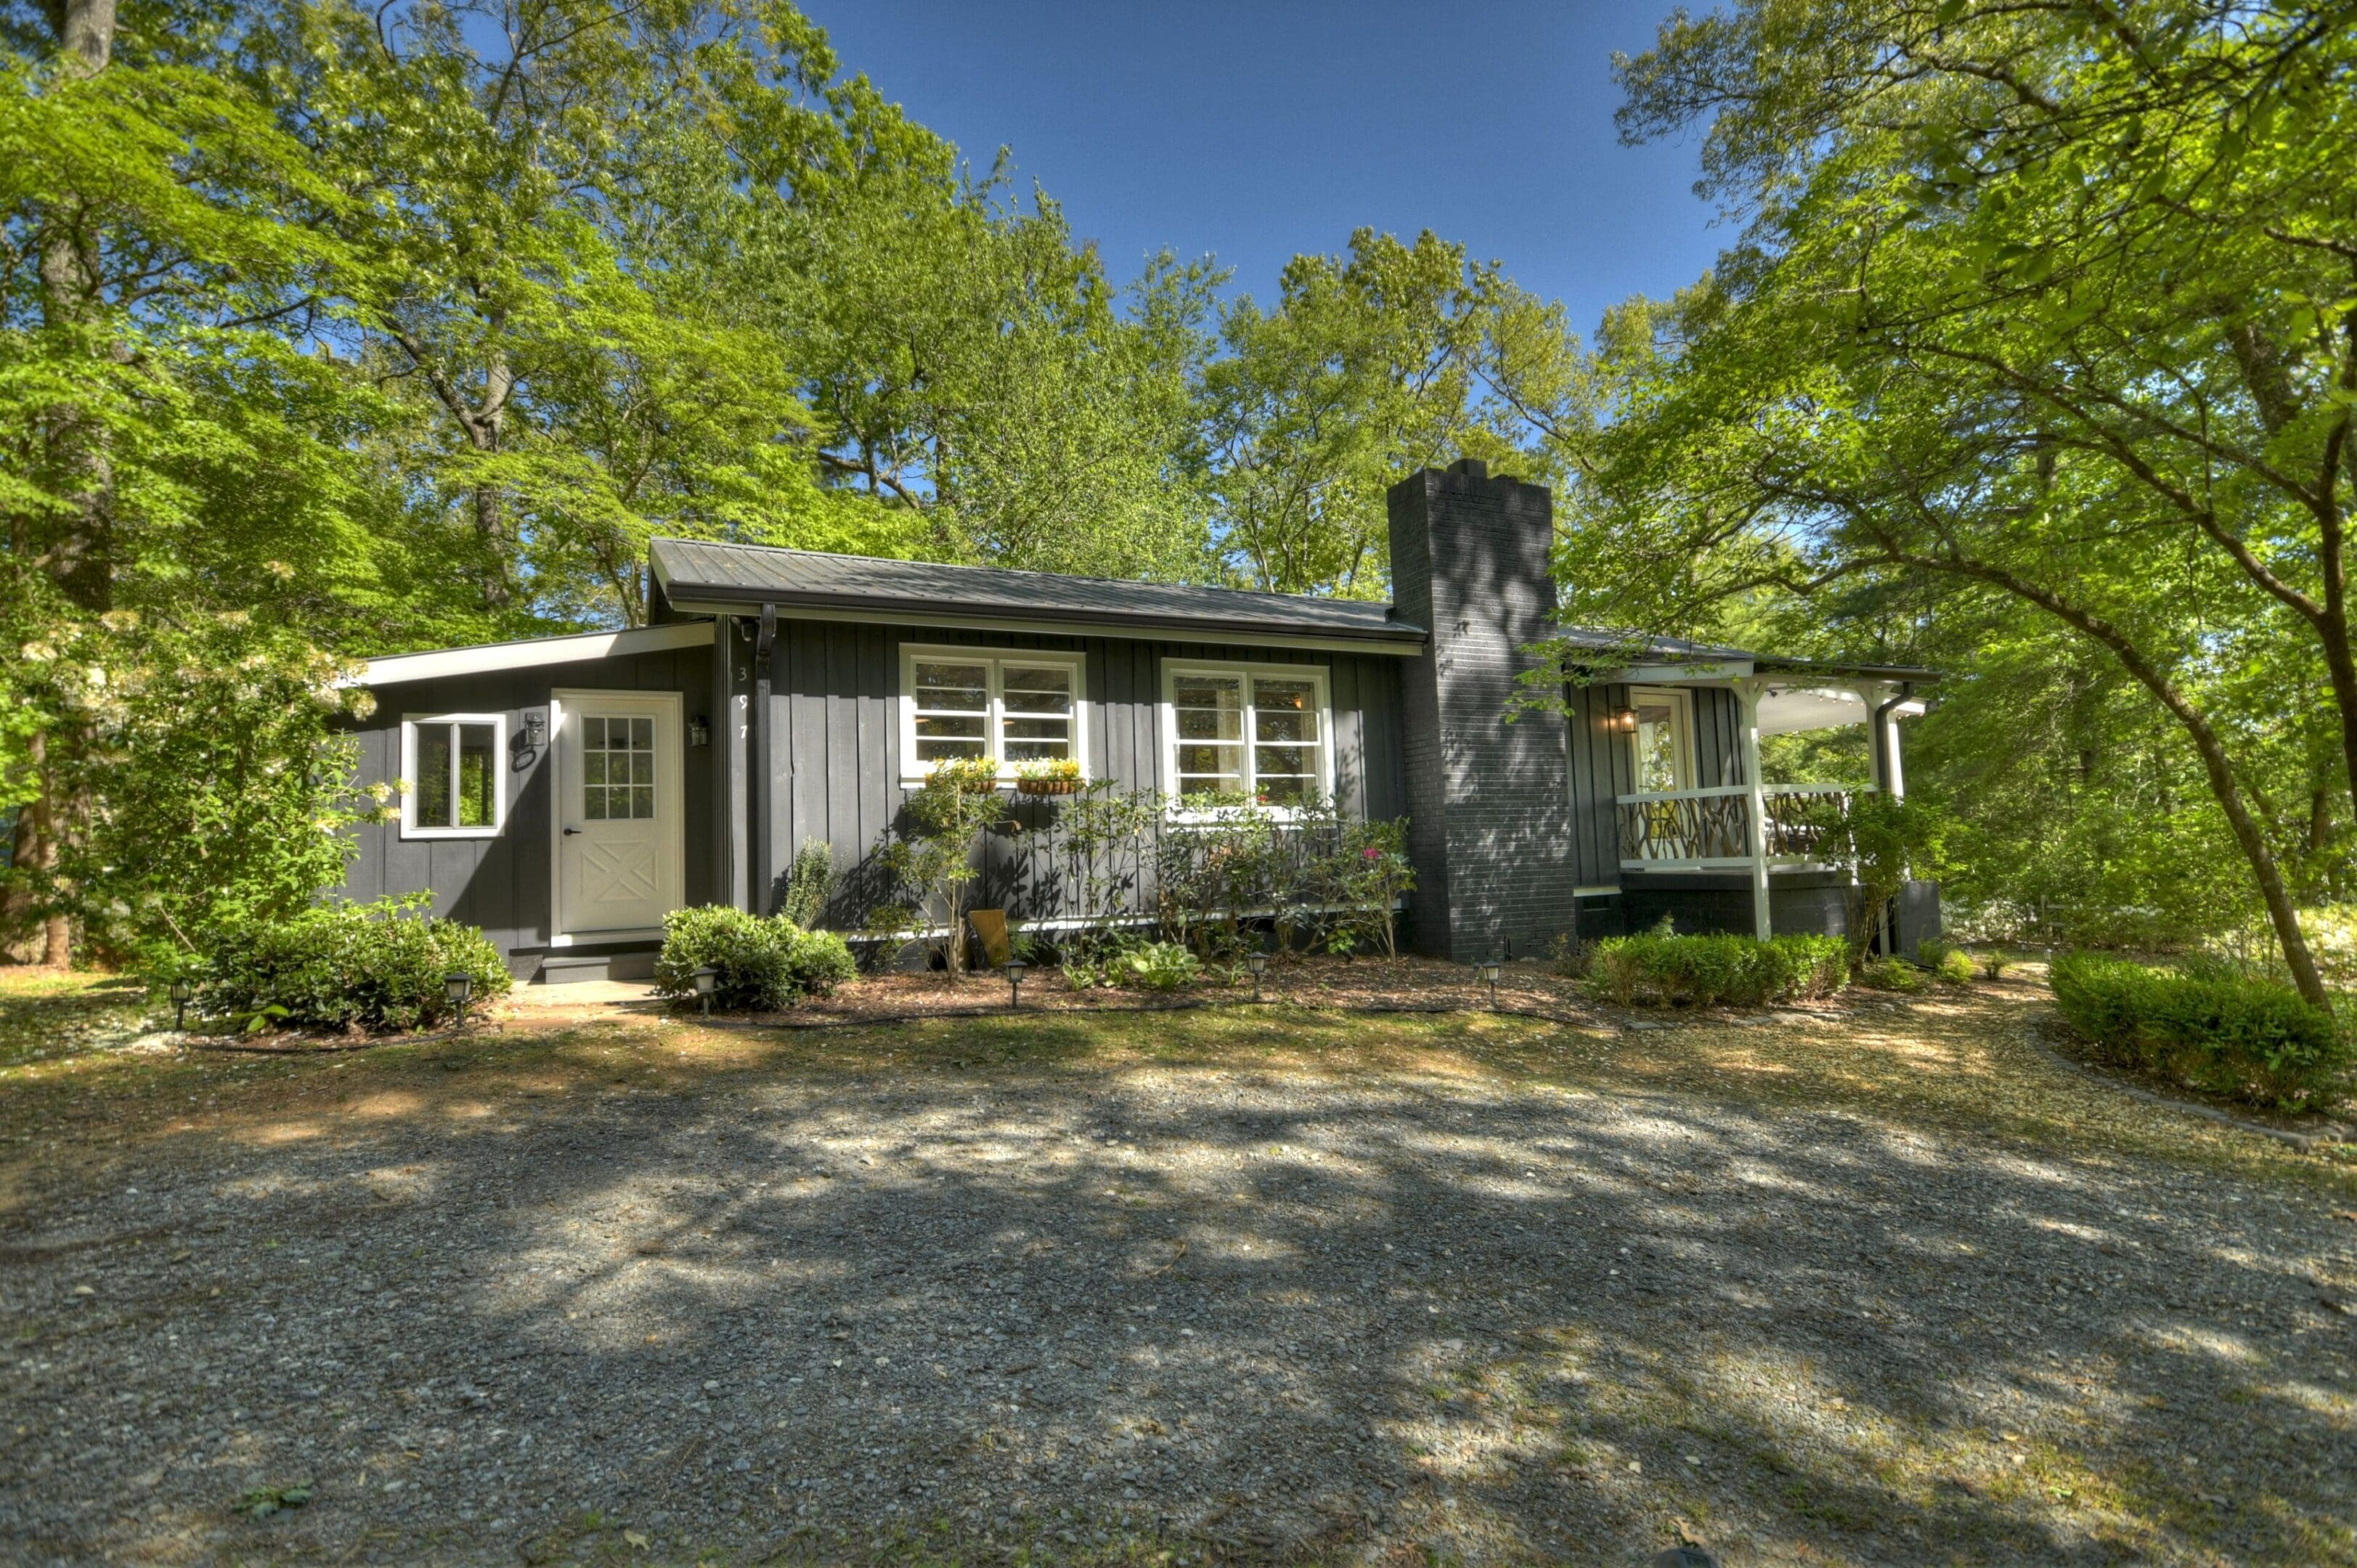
(1488, 801)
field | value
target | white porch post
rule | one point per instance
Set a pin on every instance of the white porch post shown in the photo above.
(1746, 694)
(1895, 777)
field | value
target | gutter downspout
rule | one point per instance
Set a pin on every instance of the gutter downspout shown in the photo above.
(764, 645)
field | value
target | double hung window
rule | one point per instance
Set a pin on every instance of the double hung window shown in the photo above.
(1661, 745)
(1256, 732)
(968, 702)
(452, 762)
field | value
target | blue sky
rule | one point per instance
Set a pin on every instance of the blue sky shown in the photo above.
(1253, 131)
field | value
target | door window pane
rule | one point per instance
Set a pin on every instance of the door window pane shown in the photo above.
(1660, 745)
(617, 769)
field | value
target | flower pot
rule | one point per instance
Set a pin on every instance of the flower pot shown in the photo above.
(1047, 785)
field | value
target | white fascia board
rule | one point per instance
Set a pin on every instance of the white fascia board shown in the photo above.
(492, 657)
(1217, 635)
(1689, 674)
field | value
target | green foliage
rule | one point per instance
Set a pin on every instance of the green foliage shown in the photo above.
(933, 856)
(808, 885)
(1715, 969)
(2210, 1027)
(2017, 339)
(1307, 868)
(1949, 965)
(764, 965)
(376, 967)
(1157, 966)
(1889, 973)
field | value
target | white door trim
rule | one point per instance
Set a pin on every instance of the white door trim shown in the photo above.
(670, 786)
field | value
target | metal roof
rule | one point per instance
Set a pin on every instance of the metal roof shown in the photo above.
(1635, 647)
(697, 574)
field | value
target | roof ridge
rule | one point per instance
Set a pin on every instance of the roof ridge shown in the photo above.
(1385, 604)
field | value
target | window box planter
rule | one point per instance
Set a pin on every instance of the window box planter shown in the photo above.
(1047, 785)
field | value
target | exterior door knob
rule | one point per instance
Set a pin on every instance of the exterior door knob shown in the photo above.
(570, 832)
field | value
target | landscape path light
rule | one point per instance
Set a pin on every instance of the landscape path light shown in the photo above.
(707, 981)
(1015, 968)
(458, 987)
(181, 994)
(1258, 964)
(1488, 974)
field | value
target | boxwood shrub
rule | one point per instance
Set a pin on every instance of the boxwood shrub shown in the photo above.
(2216, 1030)
(1702, 971)
(344, 966)
(765, 964)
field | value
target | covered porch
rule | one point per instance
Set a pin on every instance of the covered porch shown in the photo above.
(1700, 834)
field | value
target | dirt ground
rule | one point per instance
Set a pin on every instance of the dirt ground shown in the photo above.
(1880, 1283)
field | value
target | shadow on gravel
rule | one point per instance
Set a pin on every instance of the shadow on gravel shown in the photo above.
(1248, 1312)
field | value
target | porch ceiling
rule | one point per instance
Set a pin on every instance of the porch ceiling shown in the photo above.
(1787, 710)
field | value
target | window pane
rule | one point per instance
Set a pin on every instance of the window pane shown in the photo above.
(1038, 729)
(1208, 692)
(1036, 690)
(943, 750)
(1659, 754)
(1210, 723)
(1283, 790)
(643, 800)
(1300, 760)
(593, 802)
(593, 734)
(1285, 724)
(593, 767)
(643, 767)
(431, 785)
(960, 688)
(478, 779)
(931, 726)
(1300, 696)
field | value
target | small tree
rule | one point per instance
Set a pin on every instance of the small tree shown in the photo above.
(956, 805)
(1889, 838)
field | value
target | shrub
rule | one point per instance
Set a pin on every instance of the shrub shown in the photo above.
(341, 966)
(1949, 966)
(1894, 974)
(764, 965)
(1158, 966)
(808, 884)
(1994, 963)
(1703, 970)
(2208, 1027)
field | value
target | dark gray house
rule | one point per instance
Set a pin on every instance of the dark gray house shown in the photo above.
(564, 793)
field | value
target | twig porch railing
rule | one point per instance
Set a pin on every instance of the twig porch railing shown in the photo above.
(1711, 829)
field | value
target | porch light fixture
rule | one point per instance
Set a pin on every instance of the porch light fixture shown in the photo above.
(1622, 721)
(1258, 964)
(699, 731)
(1487, 974)
(1015, 968)
(458, 987)
(182, 992)
(707, 981)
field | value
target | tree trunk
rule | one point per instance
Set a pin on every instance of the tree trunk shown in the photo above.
(2281, 914)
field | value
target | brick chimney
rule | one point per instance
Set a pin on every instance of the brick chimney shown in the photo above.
(1488, 801)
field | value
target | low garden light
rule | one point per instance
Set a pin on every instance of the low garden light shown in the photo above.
(182, 993)
(707, 981)
(1015, 968)
(1258, 964)
(1488, 974)
(458, 987)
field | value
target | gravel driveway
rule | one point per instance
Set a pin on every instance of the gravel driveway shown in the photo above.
(1212, 1310)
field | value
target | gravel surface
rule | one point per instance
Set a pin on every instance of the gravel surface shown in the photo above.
(1403, 1308)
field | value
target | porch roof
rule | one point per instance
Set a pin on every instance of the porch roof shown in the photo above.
(703, 576)
(1668, 660)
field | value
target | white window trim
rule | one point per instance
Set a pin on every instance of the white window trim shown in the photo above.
(1316, 673)
(409, 828)
(913, 773)
(1682, 721)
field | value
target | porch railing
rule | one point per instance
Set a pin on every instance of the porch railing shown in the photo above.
(1711, 829)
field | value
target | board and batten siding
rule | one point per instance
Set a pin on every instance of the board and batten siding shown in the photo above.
(1602, 769)
(836, 727)
(502, 884)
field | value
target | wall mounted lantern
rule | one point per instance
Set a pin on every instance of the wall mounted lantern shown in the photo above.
(1622, 721)
(699, 731)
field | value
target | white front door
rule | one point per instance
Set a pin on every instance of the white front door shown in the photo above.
(620, 848)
